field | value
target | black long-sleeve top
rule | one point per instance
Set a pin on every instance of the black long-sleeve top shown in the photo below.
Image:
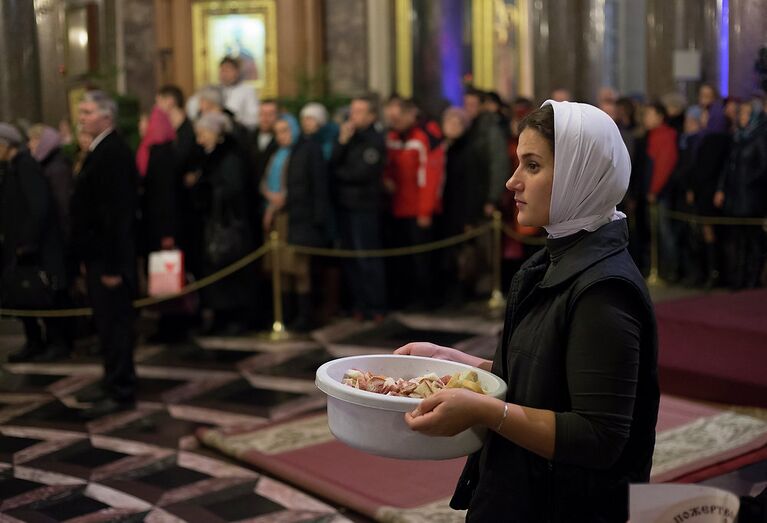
(579, 340)
(602, 364)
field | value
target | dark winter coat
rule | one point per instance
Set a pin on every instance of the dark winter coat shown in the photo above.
(104, 208)
(189, 158)
(709, 164)
(356, 171)
(29, 228)
(188, 153)
(505, 482)
(307, 202)
(259, 158)
(220, 196)
(463, 196)
(160, 214)
(491, 168)
(744, 181)
(57, 168)
(685, 167)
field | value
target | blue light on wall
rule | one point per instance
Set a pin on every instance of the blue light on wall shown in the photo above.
(724, 48)
(450, 50)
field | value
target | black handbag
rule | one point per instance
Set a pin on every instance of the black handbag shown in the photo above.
(26, 287)
(224, 236)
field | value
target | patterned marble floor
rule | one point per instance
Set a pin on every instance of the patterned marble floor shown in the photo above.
(147, 464)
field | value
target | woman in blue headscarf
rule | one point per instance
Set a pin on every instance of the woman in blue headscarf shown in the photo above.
(273, 187)
(295, 189)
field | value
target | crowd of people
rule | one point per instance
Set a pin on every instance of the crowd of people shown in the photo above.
(215, 175)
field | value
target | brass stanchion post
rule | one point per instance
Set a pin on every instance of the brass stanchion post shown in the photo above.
(654, 278)
(496, 298)
(278, 332)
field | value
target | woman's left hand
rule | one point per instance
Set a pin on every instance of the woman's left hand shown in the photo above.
(450, 412)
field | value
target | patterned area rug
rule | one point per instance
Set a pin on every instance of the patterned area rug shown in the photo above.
(305, 453)
(691, 437)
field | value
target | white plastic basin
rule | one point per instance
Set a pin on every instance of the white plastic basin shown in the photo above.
(375, 423)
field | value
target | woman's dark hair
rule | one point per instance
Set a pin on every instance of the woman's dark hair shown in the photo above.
(173, 91)
(629, 109)
(541, 120)
(712, 87)
(660, 109)
(234, 62)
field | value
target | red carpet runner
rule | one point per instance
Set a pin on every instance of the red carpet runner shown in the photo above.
(691, 437)
(715, 347)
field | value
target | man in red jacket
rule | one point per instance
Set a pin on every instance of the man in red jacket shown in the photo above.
(662, 155)
(414, 197)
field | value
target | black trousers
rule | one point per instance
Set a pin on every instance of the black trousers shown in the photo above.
(411, 281)
(58, 331)
(365, 276)
(113, 316)
(747, 247)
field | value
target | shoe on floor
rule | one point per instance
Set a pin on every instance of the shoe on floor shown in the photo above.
(53, 353)
(92, 396)
(105, 407)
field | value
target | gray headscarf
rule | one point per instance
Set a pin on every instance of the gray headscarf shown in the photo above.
(10, 135)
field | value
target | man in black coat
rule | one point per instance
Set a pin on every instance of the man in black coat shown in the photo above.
(262, 142)
(262, 147)
(356, 168)
(104, 212)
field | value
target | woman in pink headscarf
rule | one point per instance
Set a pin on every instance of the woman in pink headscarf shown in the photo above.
(156, 162)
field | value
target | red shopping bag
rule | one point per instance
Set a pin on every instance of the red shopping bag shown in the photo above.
(166, 272)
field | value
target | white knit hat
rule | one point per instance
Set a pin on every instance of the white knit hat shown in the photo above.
(317, 111)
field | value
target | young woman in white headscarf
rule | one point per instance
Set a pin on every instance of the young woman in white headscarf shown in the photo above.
(579, 345)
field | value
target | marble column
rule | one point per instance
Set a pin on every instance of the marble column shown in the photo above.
(632, 70)
(346, 52)
(19, 62)
(677, 25)
(51, 49)
(555, 35)
(137, 50)
(591, 49)
(300, 47)
(427, 63)
(380, 62)
(748, 33)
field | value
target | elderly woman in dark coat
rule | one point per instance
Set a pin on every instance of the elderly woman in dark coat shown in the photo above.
(30, 243)
(222, 200)
(295, 188)
(45, 147)
(743, 194)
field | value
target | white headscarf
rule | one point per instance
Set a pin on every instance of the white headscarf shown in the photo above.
(591, 169)
(317, 111)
